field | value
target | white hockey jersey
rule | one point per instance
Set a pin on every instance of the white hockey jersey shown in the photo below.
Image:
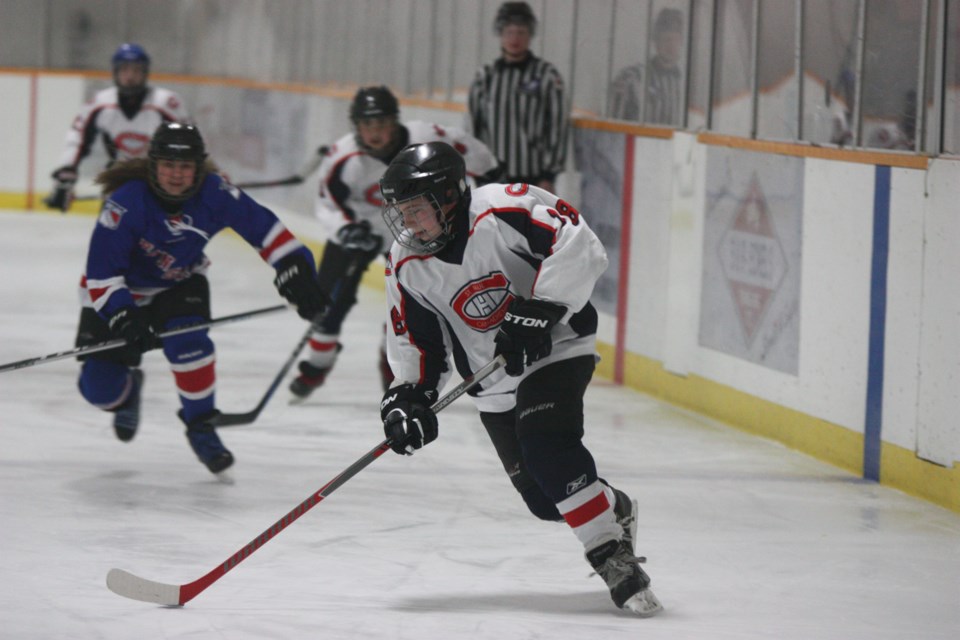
(518, 240)
(123, 137)
(350, 177)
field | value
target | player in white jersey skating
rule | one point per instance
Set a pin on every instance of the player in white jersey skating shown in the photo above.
(123, 117)
(349, 204)
(504, 269)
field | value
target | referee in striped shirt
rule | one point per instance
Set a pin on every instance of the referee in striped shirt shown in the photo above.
(517, 104)
(663, 84)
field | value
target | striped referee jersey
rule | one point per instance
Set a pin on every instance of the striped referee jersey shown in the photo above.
(518, 110)
(663, 94)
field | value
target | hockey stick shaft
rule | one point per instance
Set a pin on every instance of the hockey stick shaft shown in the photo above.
(113, 344)
(308, 168)
(128, 585)
(238, 419)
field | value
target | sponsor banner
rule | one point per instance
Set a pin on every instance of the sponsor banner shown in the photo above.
(750, 297)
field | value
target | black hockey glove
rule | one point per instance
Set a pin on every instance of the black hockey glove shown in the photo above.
(129, 324)
(408, 421)
(62, 195)
(297, 282)
(524, 335)
(359, 238)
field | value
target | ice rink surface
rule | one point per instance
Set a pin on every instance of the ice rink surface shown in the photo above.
(745, 538)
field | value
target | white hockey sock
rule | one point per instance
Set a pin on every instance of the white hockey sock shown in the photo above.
(322, 352)
(589, 512)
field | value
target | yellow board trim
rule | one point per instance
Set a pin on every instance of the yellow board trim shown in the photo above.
(900, 468)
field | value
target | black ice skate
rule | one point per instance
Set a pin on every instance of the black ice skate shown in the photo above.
(629, 585)
(206, 443)
(310, 378)
(126, 417)
(625, 509)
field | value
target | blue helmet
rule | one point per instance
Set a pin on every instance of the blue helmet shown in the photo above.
(126, 53)
(130, 52)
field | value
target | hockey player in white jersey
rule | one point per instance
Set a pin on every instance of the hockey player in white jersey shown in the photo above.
(348, 206)
(504, 269)
(123, 117)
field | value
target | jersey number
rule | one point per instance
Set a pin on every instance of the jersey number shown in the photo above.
(565, 211)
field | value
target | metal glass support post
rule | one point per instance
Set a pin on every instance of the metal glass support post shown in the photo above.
(754, 68)
(857, 119)
(798, 67)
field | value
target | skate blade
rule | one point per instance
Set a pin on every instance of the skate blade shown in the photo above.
(295, 400)
(225, 477)
(643, 604)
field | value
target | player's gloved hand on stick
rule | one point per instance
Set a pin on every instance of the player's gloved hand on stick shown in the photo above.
(408, 421)
(297, 282)
(62, 195)
(358, 236)
(129, 324)
(524, 334)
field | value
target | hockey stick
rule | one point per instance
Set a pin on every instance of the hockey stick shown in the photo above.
(119, 342)
(308, 168)
(126, 584)
(237, 419)
(305, 172)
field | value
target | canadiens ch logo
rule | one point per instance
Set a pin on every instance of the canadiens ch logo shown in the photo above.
(110, 214)
(372, 195)
(133, 144)
(483, 302)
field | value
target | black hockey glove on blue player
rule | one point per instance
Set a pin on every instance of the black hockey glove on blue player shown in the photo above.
(524, 335)
(297, 282)
(408, 420)
(358, 237)
(129, 324)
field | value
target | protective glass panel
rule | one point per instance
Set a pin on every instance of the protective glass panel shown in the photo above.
(829, 70)
(951, 95)
(22, 28)
(776, 72)
(649, 85)
(665, 78)
(630, 20)
(593, 26)
(701, 57)
(85, 33)
(731, 68)
(890, 74)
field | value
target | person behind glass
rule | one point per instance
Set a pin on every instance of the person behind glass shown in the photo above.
(664, 82)
(348, 206)
(504, 269)
(145, 274)
(123, 117)
(516, 104)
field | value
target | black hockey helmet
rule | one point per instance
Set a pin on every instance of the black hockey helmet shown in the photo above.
(177, 141)
(436, 172)
(373, 102)
(515, 13)
(129, 52)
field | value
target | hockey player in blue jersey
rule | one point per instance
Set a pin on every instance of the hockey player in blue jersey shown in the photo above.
(145, 275)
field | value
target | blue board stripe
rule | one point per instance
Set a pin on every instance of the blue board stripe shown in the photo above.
(878, 320)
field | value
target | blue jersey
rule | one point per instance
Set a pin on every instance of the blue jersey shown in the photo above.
(138, 250)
